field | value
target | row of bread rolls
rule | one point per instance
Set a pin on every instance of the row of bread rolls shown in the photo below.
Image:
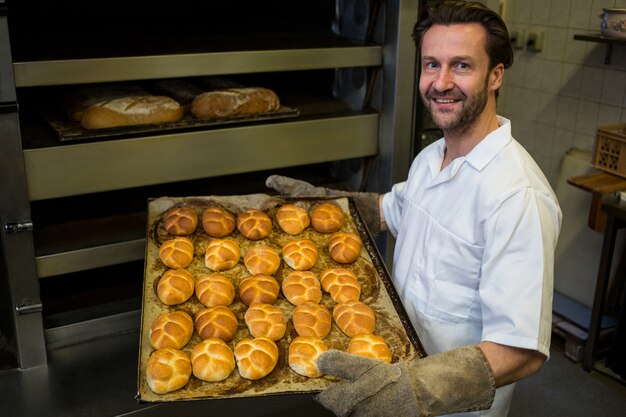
(107, 106)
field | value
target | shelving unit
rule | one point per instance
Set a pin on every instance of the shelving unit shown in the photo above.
(597, 37)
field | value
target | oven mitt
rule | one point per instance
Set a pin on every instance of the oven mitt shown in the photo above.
(367, 203)
(450, 382)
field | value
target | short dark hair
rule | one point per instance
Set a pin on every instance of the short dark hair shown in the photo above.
(448, 12)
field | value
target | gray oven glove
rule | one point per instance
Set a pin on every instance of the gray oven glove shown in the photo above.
(450, 382)
(367, 203)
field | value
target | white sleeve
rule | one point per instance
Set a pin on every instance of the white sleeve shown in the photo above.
(393, 202)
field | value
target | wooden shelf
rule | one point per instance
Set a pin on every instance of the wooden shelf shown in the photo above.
(597, 37)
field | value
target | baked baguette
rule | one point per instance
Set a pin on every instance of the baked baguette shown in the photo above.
(78, 100)
(168, 370)
(132, 110)
(234, 102)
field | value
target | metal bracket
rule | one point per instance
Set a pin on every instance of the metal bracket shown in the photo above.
(23, 226)
(28, 307)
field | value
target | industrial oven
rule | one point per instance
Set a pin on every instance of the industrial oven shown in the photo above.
(73, 207)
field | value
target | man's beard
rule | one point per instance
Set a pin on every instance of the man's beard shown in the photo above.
(472, 107)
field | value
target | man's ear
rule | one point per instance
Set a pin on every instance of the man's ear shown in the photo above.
(496, 75)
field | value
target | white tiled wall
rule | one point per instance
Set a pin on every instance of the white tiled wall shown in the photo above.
(556, 98)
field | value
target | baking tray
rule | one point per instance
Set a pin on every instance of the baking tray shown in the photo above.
(67, 130)
(377, 291)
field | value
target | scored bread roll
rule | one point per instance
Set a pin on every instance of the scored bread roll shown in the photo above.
(180, 221)
(300, 254)
(212, 360)
(256, 358)
(217, 221)
(78, 100)
(171, 330)
(234, 102)
(258, 289)
(254, 224)
(177, 252)
(261, 259)
(168, 370)
(312, 319)
(303, 354)
(354, 318)
(370, 346)
(292, 219)
(175, 286)
(301, 286)
(132, 110)
(217, 322)
(265, 320)
(327, 218)
(341, 283)
(215, 289)
(222, 254)
(344, 247)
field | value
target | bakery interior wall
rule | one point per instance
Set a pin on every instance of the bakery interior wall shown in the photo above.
(555, 99)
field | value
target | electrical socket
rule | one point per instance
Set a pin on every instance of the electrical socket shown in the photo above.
(534, 42)
(518, 39)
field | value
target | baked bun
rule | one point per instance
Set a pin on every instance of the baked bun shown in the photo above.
(265, 320)
(167, 370)
(370, 346)
(292, 219)
(327, 218)
(132, 110)
(354, 318)
(177, 252)
(214, 290)
(212, 360)
(312, 319)
(300, 255)
(217, 322)
(222, 254)
(180, 221)
(217, 221)
(258, 289)
(171, 330)
(261, 259)
(303, 354)
(301, 286)
(344, 247)
(254, 224)
(175, 286)
(341, 283)
(256, 358)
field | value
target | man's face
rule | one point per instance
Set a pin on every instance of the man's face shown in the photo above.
(455, 76)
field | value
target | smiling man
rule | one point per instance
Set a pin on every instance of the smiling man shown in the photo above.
(476, 225)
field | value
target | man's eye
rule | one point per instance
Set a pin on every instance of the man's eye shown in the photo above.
(430, 65)
(462, 65)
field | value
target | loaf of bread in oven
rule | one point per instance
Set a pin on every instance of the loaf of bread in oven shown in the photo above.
(261, 259)
(265, 320)
(234, 102)
(303, 354)
(132, 110)
(168, 370)
(292, 219)
(258, 289)
(300, 254)
(370, 346)
(344, 247)
(175, 286)
(78, 100)
(222, 254)
(217, 221)
(301, 286)
(341, 283)
(177, 252)
(354, 318)
(312, 319)
(256, 358)
(327, 218)
(171, 330)
(180, 221)
(218, 322)
(215, 289)
(254, 224)
(212, 360)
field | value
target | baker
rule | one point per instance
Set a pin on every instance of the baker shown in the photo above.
(476, 225)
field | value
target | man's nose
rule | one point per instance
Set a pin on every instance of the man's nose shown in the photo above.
(444, 81)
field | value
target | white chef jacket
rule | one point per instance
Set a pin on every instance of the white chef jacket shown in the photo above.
(475, 248)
